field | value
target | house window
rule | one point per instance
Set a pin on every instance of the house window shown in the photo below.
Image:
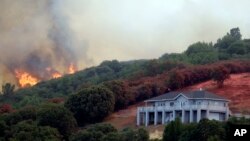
(171, 104)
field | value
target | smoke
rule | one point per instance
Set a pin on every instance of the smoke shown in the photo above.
(36, 38)
(41, 35)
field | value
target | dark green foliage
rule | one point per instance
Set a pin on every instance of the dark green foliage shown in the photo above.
(87, 136)
(173, 130)
(120, 91)
(29, 131)
(203, 131)
(58, 117)
(227, 40)
(8, 89)
(113, 137)
(220, 74)
(106, 132)
(209, 128)
(129, 134)
(101, 127)
(175, 80)
(142, 135)
(199, 47)
(237, 47)
(3, 128)
(174, 57)
(91, 105)
(27, 113)
(201, 53)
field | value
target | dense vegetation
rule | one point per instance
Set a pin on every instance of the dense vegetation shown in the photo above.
(60, 106)
(205, 130)
(55, 123)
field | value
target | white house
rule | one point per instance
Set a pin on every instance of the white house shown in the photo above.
(188, 106)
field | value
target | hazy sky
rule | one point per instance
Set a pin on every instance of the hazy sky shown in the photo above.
(90, 31)
(37, 34)
(134, 29)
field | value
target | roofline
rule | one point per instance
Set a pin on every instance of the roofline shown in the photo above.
(188, 98)
(220, 99)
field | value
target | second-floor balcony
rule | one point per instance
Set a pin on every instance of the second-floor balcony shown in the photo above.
(183, 107)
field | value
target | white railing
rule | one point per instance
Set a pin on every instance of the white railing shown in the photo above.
(185, 107)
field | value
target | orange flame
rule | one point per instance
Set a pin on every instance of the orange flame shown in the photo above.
(72, 69)
(56, 75)
(25, 79)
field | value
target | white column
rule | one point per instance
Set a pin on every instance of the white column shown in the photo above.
(163, 117)
(155, 117)
(182, 116)
(207, 114)
(191, 116)
(138, 117)
(227, 114)
(147, 116)
(173, 114)
(198, 115)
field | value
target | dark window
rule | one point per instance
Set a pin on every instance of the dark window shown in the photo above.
(171, 104)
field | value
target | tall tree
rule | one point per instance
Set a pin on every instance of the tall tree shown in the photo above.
(220, 74)
(173, 130)
(8, 89)
(92, 104)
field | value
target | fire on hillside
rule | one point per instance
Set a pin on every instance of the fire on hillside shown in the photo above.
(26, 78)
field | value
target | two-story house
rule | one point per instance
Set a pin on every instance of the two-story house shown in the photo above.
(188, 106)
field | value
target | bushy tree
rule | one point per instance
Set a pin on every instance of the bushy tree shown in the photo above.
(220, 74)
(87, 136)
(58, 117)
(120, 92)
(175, 80)
(91, 105)
(142, 135)
(104, 128)
(29, 131)
(5, 108)
(26, 113)
(8, 89)
(223, 43)
(209, 129)
(113, 136)
(173, 130)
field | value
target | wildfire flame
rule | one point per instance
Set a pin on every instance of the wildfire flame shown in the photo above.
(25, 79)
(56, 75)
(72, 69)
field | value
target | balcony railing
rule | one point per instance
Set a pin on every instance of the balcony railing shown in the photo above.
(185, 107)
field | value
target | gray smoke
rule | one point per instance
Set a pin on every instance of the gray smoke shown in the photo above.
(34, 36)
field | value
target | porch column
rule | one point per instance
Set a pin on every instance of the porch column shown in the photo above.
(147, 116)
(138, 117)
(207, 114)
(163, 117)
(155, 117)
(191, 116)
(198, 115)
(182, 116)
(173, 114)
(227, 114)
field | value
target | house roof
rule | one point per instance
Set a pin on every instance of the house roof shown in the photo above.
(199, 94)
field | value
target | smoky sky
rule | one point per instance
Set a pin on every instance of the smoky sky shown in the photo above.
(135, 29)
(35, 34)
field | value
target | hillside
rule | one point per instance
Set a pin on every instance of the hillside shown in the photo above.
(237, 89)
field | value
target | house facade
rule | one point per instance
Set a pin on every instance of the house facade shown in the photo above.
(188, 106)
